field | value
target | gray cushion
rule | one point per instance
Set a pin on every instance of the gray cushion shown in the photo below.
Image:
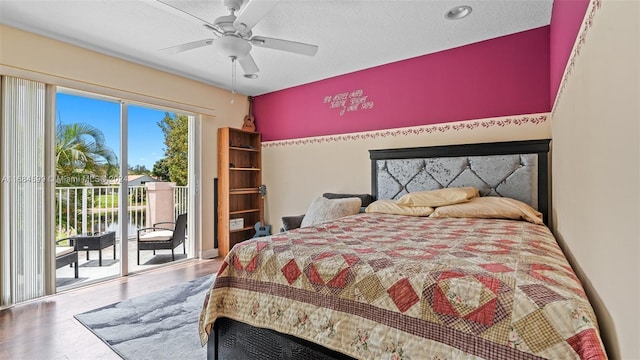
(291, 222)
(365, 198)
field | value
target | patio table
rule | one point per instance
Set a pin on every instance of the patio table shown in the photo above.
(96, 242)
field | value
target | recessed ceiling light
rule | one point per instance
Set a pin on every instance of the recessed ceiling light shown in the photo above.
(458, 12)
(251, 76)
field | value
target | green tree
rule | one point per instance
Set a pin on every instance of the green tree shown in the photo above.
(82, 154)
(161, 170)
(138, 170)
(176, 129)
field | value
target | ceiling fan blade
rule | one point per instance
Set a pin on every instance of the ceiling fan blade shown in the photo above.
(248, 64)
(188, 46)
(252, 12)
(285, 45)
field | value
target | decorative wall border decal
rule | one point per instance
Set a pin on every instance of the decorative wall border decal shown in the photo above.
(594, 6)
(534, 119)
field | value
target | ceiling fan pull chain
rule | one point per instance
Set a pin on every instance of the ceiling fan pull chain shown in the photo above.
(233, 78)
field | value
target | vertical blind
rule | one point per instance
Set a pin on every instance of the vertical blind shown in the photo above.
(23, 175)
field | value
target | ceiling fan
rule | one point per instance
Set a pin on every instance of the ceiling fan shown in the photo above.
(234, 38)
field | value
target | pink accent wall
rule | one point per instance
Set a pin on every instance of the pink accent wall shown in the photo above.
(566, 19)
(499, 77)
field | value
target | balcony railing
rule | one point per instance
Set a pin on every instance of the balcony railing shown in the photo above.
(90, 209)
(180, 200)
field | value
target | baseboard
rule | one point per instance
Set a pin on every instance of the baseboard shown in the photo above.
(209, 254)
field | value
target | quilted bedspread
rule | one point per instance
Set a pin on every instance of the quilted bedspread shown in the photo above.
(399, 287)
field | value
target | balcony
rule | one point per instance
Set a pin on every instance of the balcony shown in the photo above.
(94, 209)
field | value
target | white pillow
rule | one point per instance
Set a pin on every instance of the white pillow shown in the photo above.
(323, 209)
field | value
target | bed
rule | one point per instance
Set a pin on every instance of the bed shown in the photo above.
(379, 285)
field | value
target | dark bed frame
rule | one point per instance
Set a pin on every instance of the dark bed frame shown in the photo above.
(536, 147)
(239, 341)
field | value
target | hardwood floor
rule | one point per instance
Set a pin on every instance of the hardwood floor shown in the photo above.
(46, 328)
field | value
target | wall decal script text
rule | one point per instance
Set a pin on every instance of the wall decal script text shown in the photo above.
(349, 101)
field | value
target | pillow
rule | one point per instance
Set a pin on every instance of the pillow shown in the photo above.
(439, 197)
(291, 222)
(389, 206)
(323, 209)
(365, 198)
(490, 207)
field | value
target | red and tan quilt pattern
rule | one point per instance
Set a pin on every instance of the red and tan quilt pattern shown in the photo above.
(401, 287)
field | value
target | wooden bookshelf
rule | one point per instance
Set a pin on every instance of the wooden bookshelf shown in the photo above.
(239, 180)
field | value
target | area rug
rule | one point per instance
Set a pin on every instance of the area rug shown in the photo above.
(160, 325)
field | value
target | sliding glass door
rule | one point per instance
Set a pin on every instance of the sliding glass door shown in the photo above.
(158, 148)
(87, 147)
(131, 163)
(83, 177)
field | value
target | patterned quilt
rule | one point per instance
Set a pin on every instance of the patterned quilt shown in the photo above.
(399, 287)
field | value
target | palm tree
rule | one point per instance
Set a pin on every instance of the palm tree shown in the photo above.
(81, 150)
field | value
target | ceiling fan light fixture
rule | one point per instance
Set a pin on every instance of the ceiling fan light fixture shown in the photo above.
(458, 12)
(232, 46)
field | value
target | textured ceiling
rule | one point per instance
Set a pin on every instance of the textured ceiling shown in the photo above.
(351, 34)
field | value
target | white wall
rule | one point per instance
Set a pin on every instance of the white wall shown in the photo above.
(34, 57)
(596, 171)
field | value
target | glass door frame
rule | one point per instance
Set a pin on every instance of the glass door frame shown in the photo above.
(193, 173)
(123, 206)
(99, 97)
(193, 158)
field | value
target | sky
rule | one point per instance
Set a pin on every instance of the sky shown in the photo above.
(146, 141)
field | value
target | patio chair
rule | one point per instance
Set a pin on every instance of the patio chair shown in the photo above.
(158, 237)
(67, 255)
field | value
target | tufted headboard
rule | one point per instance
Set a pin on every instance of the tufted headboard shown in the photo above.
(517, 169)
